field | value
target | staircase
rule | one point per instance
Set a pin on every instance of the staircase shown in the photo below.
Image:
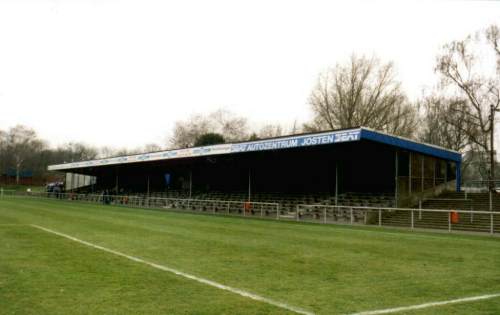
(457, 200)
(440, 220)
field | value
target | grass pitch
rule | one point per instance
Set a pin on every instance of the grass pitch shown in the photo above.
(323, 269)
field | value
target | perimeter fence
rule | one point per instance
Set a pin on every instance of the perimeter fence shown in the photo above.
(441, 219)
(228, 207)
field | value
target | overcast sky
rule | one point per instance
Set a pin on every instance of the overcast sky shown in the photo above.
(120, 73)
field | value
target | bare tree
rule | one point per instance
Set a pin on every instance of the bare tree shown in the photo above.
(151, 147)
(21, 144)
(186, 132)
(270, 130)
(3, 153)
(277, 130)
(76, 151)
(106, 152)
(444, 122)
(493, 38)
(462, 73)
(363, 92)
(230, 126)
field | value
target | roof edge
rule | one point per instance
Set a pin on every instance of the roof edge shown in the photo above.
(281, 142)
(224, 148)
(410, 145)
(409, 139)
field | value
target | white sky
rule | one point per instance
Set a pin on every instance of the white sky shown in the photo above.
(120, 73)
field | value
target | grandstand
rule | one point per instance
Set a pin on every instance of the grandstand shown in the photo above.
(328, 167)
(349, 167)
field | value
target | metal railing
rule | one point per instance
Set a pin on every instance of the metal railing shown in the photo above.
(6, 191)
(442, 219)
(227, 207)
(470, 205)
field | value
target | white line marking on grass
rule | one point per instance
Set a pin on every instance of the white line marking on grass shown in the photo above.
(426, 305)
(182, 274)
(12, 224)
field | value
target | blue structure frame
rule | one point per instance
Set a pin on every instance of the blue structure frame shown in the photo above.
(419, 147)
(410, 145)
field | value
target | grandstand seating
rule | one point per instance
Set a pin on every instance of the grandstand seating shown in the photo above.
(362, 200)
(288, 202)
(267, 202)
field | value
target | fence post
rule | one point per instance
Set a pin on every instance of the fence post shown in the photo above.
(228, 207)
(491, 202)
(352, 218)
(412, 220)
(324, 215)
(278, 212)
(244, 210)
(213, 208)
(261, 211)
(297, 213)
(491, 224)
(449, 221)
(420, 209)
(471, 213)
(379, 217)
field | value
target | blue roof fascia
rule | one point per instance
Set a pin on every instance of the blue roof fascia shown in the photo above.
(410, 145)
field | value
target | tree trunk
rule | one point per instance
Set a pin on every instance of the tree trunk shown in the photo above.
(18, 172)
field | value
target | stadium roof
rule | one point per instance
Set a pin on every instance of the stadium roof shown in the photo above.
(286, 142)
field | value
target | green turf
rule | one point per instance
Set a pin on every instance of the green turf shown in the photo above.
(324, 269)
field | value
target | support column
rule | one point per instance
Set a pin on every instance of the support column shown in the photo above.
(458, 177)
(396, 172)
(434, 175)
(409, 173)
(190, 184)
(336, 183)
(423, 173)
(446, 173)
(249, 184)
(148, 185)
(116, 185)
